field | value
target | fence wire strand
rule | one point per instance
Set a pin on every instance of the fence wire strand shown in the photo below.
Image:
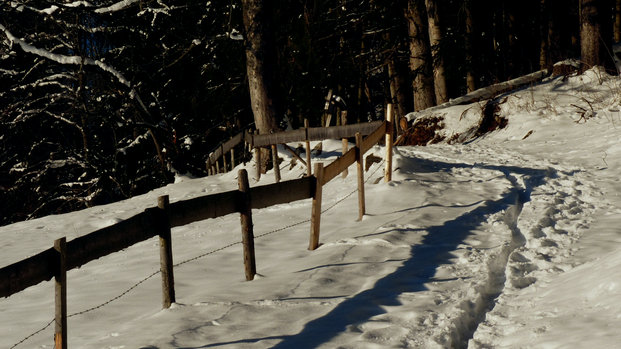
(191, 260)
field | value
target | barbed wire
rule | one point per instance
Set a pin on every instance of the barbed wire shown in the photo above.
(88, 310)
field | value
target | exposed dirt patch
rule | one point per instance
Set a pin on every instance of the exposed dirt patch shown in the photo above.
(424, 131)
(491, 119)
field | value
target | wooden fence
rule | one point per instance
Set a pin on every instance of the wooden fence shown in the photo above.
(158, 221)
(306, 134)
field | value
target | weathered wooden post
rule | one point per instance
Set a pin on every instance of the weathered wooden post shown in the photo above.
(245, 212)
(60, 333)
(232, 158)
(316, 209)
(217, 166)
(166, 257)
(389, 131)
(275, 162)
(308, 150)
(345, 142)
(360, 166)
(208, 166)
(224, 165)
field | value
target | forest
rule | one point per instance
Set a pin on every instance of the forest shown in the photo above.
(102, 100)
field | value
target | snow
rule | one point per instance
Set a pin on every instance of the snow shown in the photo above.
(117, 6)
(64, 59)
(498, 242)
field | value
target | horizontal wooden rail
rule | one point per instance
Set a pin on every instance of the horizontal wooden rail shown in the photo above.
(114, 238)
(282, 193)
(28, 272)
(42, 267)
(314, 134)
(226, 147)
(203, 207)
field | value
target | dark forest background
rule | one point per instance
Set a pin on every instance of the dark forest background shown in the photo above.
(103, 100)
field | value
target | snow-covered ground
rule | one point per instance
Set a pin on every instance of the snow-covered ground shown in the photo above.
(502, 241)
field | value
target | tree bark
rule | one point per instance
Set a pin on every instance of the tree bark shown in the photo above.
(259, 68)
(544, 53)
(396, 91)
(590, 34)
(420, 58)
(435, 37)
(617, 27)
(470, 79)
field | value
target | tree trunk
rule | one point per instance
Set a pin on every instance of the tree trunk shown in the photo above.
(420, 58)
(544, 53)
(435, 37)
(590, 34)
(617, 28)
(260, 70)
(470, 79)
(396, 91)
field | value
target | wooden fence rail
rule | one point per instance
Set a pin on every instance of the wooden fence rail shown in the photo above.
(157, 221)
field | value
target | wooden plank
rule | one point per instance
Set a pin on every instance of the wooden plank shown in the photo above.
(233, 142)
(373, 138)
(339, 165)
(294, 154)
(345, 131)
(282, 193)
(114, 238)
(225, 147)
(316, 134)
(28, 272)
(278, 138)
(204, 207)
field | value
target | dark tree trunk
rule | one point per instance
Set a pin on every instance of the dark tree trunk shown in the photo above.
(420, 58)
(617, 27)
(259, 65)
(396, 90)
(469, 46)
(435, 39)
(544, 23)
(590, 33)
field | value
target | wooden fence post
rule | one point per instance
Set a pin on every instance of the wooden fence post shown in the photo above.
(275, 162)
(224, 165)
(232, 159)
(389, 131)
(316, 210)
(360, 166)
(245, 212)
(60, 334)
(345, 142)
(308, 150)
(166, 258)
